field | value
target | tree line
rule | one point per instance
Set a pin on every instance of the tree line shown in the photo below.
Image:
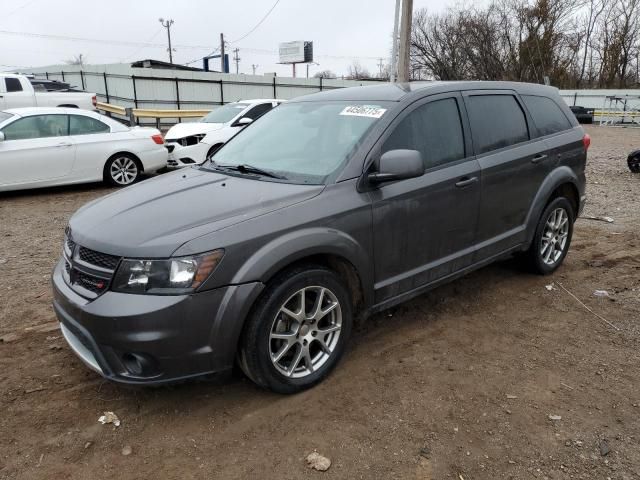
(569, 43)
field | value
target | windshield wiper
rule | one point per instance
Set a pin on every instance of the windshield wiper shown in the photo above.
(245, 168)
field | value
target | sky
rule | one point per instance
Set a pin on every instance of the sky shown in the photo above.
(45, 32)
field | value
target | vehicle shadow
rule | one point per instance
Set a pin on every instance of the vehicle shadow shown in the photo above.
(438, 305)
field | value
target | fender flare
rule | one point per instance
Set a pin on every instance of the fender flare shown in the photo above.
(559, 176)
(286, 249)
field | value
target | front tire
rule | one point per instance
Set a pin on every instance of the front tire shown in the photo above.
(297, 331)
(552, 237)
(122, 170)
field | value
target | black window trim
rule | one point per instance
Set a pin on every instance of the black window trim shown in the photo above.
(538, 132)
(531, 127)
(374, 154)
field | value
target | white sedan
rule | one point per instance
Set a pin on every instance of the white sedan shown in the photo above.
(191, 143)
(42, 147)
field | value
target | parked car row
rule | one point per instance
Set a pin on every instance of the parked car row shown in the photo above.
(42, 147)
(332, 206)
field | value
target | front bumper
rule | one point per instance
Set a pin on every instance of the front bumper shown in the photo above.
(152, 339)
(180, 156)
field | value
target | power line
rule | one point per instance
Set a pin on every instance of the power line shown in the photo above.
(258, 24)
(97, 40)
(16, 10)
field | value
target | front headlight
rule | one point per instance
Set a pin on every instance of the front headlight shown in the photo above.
(173, 276)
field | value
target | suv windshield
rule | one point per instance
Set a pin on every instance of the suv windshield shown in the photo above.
(224, 113)
(302, 142)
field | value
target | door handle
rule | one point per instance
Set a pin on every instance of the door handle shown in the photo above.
(538, 158)
(466, 181)
(64, 145)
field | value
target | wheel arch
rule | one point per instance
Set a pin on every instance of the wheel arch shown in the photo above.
(332, 249)
(560, 182)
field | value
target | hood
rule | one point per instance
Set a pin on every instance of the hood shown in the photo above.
(155, 217)
(182, 130)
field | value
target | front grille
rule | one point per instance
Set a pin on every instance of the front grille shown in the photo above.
(170, 147)
(89, 282)
(98, 259)
(88, 272)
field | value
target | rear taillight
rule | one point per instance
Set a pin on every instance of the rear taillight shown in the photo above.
(586, 141)
(94, 100)
(157, 139)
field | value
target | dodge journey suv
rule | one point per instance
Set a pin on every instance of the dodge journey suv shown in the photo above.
(332, 206)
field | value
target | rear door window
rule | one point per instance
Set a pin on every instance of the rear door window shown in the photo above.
(81, 125)
(497, 121)
(13, 84)
(546, 114)
(37, 126)
(434, 129)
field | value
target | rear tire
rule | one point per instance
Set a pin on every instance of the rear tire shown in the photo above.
(633, 160)
(283, 347)
(122, 170)
(552, 238)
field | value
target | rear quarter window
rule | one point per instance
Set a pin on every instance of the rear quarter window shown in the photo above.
(546, 114)
(497, 121)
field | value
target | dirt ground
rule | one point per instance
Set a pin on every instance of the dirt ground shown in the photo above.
(459, 383)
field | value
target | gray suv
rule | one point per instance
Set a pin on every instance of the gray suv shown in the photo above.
(332, 206)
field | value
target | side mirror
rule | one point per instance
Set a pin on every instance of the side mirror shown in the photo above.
(398, 165)
(2, 139)
(243, 122)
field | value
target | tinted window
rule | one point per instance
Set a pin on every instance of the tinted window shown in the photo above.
(257, 111)
(497, 121)
(547, 116)
(81, 125)
(13, 84)
(37, 126)
(434, 129)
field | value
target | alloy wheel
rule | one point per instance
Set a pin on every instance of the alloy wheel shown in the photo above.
(123, 170)
(305, 331)
(554, 236)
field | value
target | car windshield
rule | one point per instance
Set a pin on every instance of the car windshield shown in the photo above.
(225, 113)
(305, 142)
(5, 116)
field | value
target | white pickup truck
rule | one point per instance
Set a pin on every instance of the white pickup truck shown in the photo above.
(16, 91)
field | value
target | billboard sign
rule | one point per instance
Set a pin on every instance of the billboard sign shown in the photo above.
(296, 52)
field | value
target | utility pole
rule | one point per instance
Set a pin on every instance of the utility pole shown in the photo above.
(405, 40)
(236, 59)
(167, 24)
(380, 65)
(254, 67)
(222, 57)
(394, 49)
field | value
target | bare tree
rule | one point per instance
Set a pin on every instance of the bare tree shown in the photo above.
(325, 74)
(357, 72)
(79, 59)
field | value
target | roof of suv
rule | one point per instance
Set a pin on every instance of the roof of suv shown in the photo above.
(395, 92)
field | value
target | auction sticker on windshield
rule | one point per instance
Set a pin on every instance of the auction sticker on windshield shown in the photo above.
(371, 111)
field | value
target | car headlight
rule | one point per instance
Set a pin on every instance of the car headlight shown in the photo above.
(172, 276)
